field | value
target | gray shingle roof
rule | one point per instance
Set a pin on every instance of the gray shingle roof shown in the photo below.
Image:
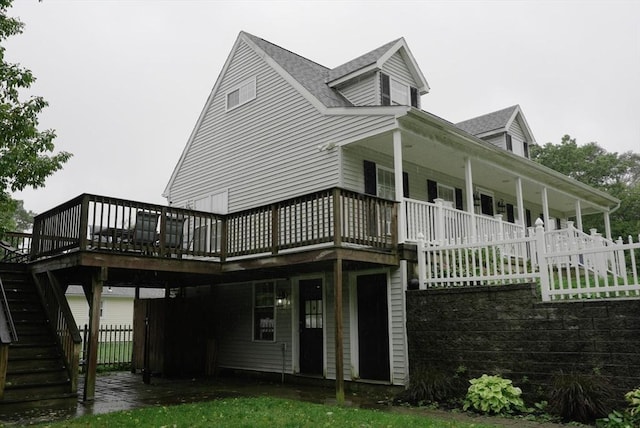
(360, 62)
(489, 122)
(310, 75)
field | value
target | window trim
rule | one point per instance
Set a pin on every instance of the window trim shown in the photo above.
(251, 82)
(254, 307)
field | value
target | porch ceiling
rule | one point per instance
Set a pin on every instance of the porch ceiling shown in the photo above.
(437, 148)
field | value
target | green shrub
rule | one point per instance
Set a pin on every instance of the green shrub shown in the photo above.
(579, 397)
(493, 394)
(430, 384)
(630, 418)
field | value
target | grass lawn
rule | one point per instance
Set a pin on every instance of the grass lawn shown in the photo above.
(257, 412)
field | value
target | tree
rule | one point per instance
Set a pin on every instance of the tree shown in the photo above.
(26, 153)
(616, 174)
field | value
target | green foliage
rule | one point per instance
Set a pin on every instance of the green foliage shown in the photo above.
(26, 153)
(616, 174)
(432, 385)
(493, 394)
(579, 397)
(258, 412)
(630, 418)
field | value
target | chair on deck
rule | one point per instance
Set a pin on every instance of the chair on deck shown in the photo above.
(173, 234)
(144, 235)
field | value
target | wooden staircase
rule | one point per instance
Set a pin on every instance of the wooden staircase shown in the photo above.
(36, 369)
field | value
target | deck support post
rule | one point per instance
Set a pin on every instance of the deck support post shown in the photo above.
(545, 209)
(97, 281)
(468, 183)
(579, 215)
(339, 357)
(520, 202)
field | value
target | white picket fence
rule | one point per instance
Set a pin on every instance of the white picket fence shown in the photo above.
(567, 264)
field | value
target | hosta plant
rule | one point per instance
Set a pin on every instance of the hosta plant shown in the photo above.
(493, 394)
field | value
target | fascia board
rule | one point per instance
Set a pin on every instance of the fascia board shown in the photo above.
(167, 191)
(395, 111)
(353, 75)
(511, 162)
(523, 124)
(411, 63)
(286, 76)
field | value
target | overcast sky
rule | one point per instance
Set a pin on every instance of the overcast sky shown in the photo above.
(126, 80)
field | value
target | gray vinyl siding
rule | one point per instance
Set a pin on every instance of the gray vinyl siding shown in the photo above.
(234, 332)
(397, 69)
(267, 149)
(498, 141)
(362, 92)
(517, 137)
(397, 339)
(352, 169)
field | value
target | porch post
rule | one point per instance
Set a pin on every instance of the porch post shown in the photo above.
(520, 202)
(97, 281)
(607, 225)
(337, 307)
(545, 208)
(579, 215)
(468, 182)
(397, 170)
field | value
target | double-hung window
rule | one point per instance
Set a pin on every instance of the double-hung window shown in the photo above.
(241, 94)
(394, 92)
(264, 319)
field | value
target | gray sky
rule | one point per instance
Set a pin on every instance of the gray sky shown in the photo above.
(126, 80)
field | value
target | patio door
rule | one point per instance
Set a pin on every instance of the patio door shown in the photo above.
(311, 323)
(373, 327)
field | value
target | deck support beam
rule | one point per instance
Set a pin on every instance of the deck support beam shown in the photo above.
(337, 302)
(97, 281)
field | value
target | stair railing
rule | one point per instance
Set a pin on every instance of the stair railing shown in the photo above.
(61, 319)
(8, 321)
(7, 329)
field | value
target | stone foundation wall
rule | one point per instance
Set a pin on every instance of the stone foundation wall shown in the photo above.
(507, 330)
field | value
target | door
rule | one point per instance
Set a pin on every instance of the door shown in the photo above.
(311, 325)
(373, 327)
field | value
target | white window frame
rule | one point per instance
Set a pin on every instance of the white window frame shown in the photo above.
(254, 307)
(395, 92)
(246, 92)
(449, 202)
(388, 192)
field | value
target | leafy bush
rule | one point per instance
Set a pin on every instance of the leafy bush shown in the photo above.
(493, 394)
(429, 384)
(630, 418)
(579, 397)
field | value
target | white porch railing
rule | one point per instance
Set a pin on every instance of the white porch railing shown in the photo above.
(567, 265)
(440, 223)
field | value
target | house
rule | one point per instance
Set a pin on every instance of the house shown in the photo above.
(116, 306)
(306, 205)
(278, 125)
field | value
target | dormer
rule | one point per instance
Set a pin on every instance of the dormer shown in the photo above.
(506, 128)
(385, 76)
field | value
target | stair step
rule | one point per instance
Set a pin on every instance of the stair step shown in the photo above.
(30, 364)
(38, 393)
(27, 352)
(30, 379)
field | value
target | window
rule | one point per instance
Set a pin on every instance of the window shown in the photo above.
(509, 142)
(264, 311)
(386, 184)
(525, 147)
(241, 94)
(447, 193)
(394, 92)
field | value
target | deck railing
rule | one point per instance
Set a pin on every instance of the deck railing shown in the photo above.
(439, 223)
(15, 247)
(91, 222)
(566, 265)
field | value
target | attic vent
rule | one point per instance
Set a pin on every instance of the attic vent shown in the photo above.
(241, 94)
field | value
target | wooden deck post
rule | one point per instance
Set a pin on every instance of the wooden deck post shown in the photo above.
(97, 281)
(337, 286)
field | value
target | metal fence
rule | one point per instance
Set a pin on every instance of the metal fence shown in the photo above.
(115, 347)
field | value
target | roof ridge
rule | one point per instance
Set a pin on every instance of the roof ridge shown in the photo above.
(286, 50)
